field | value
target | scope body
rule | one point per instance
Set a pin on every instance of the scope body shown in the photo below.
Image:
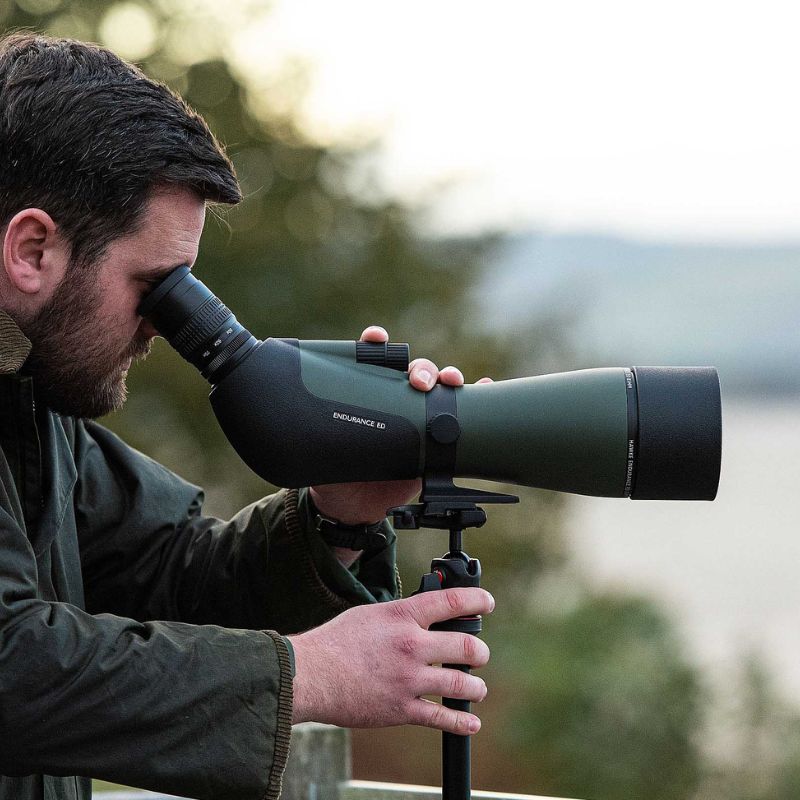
(315, 412)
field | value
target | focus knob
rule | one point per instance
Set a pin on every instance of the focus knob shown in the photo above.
(394, 355)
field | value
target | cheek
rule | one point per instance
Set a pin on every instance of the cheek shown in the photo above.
(127, 313)
(118, 323)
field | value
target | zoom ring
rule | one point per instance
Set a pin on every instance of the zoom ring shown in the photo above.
(227, 351)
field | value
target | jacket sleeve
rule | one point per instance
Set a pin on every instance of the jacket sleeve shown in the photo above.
(147, 552)
(199, 711)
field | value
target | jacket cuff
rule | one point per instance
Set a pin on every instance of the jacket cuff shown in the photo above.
(283, 730)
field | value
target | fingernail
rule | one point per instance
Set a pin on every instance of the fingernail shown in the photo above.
(425, 376)
(491, 597)
(474, 725)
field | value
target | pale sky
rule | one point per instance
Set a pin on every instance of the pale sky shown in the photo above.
(674, 120)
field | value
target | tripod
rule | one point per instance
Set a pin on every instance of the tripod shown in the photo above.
(444, 506)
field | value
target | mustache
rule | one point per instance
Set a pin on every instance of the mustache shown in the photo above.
(138, 350)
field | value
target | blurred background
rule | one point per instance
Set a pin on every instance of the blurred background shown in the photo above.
(519, 188)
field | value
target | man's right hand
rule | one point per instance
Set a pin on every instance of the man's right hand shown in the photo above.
(370, 666)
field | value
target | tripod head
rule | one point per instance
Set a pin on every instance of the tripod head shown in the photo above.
(445, 506)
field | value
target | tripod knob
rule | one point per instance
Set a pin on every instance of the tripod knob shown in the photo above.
(431, 582)
(444, 428)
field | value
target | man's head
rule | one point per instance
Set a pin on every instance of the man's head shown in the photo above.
(101, 170)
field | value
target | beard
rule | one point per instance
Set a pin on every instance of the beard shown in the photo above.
(78, 368)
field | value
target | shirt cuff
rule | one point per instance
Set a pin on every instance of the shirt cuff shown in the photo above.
(290, 648)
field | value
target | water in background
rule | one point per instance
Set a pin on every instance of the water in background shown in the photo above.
(614, 301)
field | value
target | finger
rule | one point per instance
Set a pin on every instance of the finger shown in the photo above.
(432, 715)
(452, 683)
(423, 374)
(451, 376)
(374, 334)
(444, 647)
(429, 607)
(485, 380)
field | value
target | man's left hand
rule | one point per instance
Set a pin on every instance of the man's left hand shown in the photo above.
(357, 503)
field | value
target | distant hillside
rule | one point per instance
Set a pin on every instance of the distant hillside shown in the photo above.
(627, 302)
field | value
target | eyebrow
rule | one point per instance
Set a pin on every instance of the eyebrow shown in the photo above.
(161, 272)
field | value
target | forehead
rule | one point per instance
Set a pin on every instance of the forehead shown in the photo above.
(168, 233)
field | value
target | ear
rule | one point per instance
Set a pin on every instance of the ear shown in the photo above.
(35, 255)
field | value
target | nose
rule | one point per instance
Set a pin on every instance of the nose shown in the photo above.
(147, 330)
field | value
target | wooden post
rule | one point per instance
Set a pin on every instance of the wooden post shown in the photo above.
(319, 761)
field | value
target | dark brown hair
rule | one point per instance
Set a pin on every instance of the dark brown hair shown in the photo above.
(86, 137)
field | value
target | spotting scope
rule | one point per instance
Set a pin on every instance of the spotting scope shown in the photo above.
(303, 413)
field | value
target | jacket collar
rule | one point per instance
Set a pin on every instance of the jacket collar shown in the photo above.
(14, 345)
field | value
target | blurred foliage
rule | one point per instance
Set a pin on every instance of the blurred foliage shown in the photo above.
(590, 695)
(758, 740)
(609, 679)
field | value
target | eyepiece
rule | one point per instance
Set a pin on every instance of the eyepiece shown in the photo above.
(197, 324)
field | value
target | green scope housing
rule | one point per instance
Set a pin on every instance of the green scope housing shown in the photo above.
(315, 412)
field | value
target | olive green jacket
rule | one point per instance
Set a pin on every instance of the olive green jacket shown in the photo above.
(137, 637)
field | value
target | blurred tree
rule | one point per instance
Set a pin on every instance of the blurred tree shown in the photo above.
(589, 695)
(759, 758)
(607, 706)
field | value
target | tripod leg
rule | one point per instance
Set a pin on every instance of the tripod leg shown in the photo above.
(456, 783)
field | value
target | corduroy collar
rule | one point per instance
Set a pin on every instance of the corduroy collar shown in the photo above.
(14, 345)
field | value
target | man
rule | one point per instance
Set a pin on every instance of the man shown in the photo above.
(138, 638)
